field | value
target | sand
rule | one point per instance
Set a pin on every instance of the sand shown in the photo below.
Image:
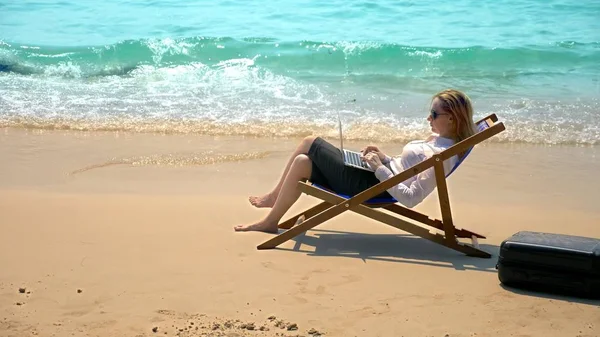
(112, 234)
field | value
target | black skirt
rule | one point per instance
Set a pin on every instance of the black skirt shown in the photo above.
(329, 171)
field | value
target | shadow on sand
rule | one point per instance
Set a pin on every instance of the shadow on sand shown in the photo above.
(551, 295)
(398, 248)
(406, 248)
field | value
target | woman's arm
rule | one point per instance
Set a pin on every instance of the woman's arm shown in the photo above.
(411, 192)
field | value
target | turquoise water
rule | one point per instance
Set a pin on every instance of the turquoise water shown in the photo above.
(287, 68)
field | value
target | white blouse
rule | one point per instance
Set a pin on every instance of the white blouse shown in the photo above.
(414, 189)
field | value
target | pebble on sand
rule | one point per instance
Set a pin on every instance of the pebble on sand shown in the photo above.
(155, 329)
(79, 291)
(314, 332)
(248, 326)
(22, 290)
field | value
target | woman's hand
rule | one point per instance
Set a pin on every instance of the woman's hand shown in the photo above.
(373, 149)
(372, 159)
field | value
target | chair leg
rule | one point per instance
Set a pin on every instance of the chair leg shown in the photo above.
(287, 235)
(466, 249)
(309, 213)
(425, 220)
(294, 231)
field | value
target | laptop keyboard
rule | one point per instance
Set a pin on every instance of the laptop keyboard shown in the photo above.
(354, 159)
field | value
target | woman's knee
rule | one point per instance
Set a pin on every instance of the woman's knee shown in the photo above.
(307, 143)
(303, 165)
(303, 160)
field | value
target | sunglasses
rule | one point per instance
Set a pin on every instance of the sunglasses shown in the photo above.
(434, 114)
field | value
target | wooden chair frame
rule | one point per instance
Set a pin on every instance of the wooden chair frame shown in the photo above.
(334, 204)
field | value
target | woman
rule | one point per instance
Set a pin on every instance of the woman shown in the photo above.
(451, 120)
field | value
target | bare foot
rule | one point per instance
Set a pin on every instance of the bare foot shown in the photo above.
(266, 200)
(259, 227)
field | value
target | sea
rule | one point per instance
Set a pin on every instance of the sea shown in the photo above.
(295, 68)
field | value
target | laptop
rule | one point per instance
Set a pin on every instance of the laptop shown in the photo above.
(351, 158)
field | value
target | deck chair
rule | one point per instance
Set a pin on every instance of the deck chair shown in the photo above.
(366, 204)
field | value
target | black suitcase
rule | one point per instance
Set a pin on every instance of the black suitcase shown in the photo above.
(556, 263)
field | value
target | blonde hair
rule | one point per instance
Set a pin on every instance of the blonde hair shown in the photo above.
(458, 105)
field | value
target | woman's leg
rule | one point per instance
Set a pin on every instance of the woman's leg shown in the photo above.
(300, 168)
(268, 200)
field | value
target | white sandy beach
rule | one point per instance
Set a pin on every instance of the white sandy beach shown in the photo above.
(116, 234)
